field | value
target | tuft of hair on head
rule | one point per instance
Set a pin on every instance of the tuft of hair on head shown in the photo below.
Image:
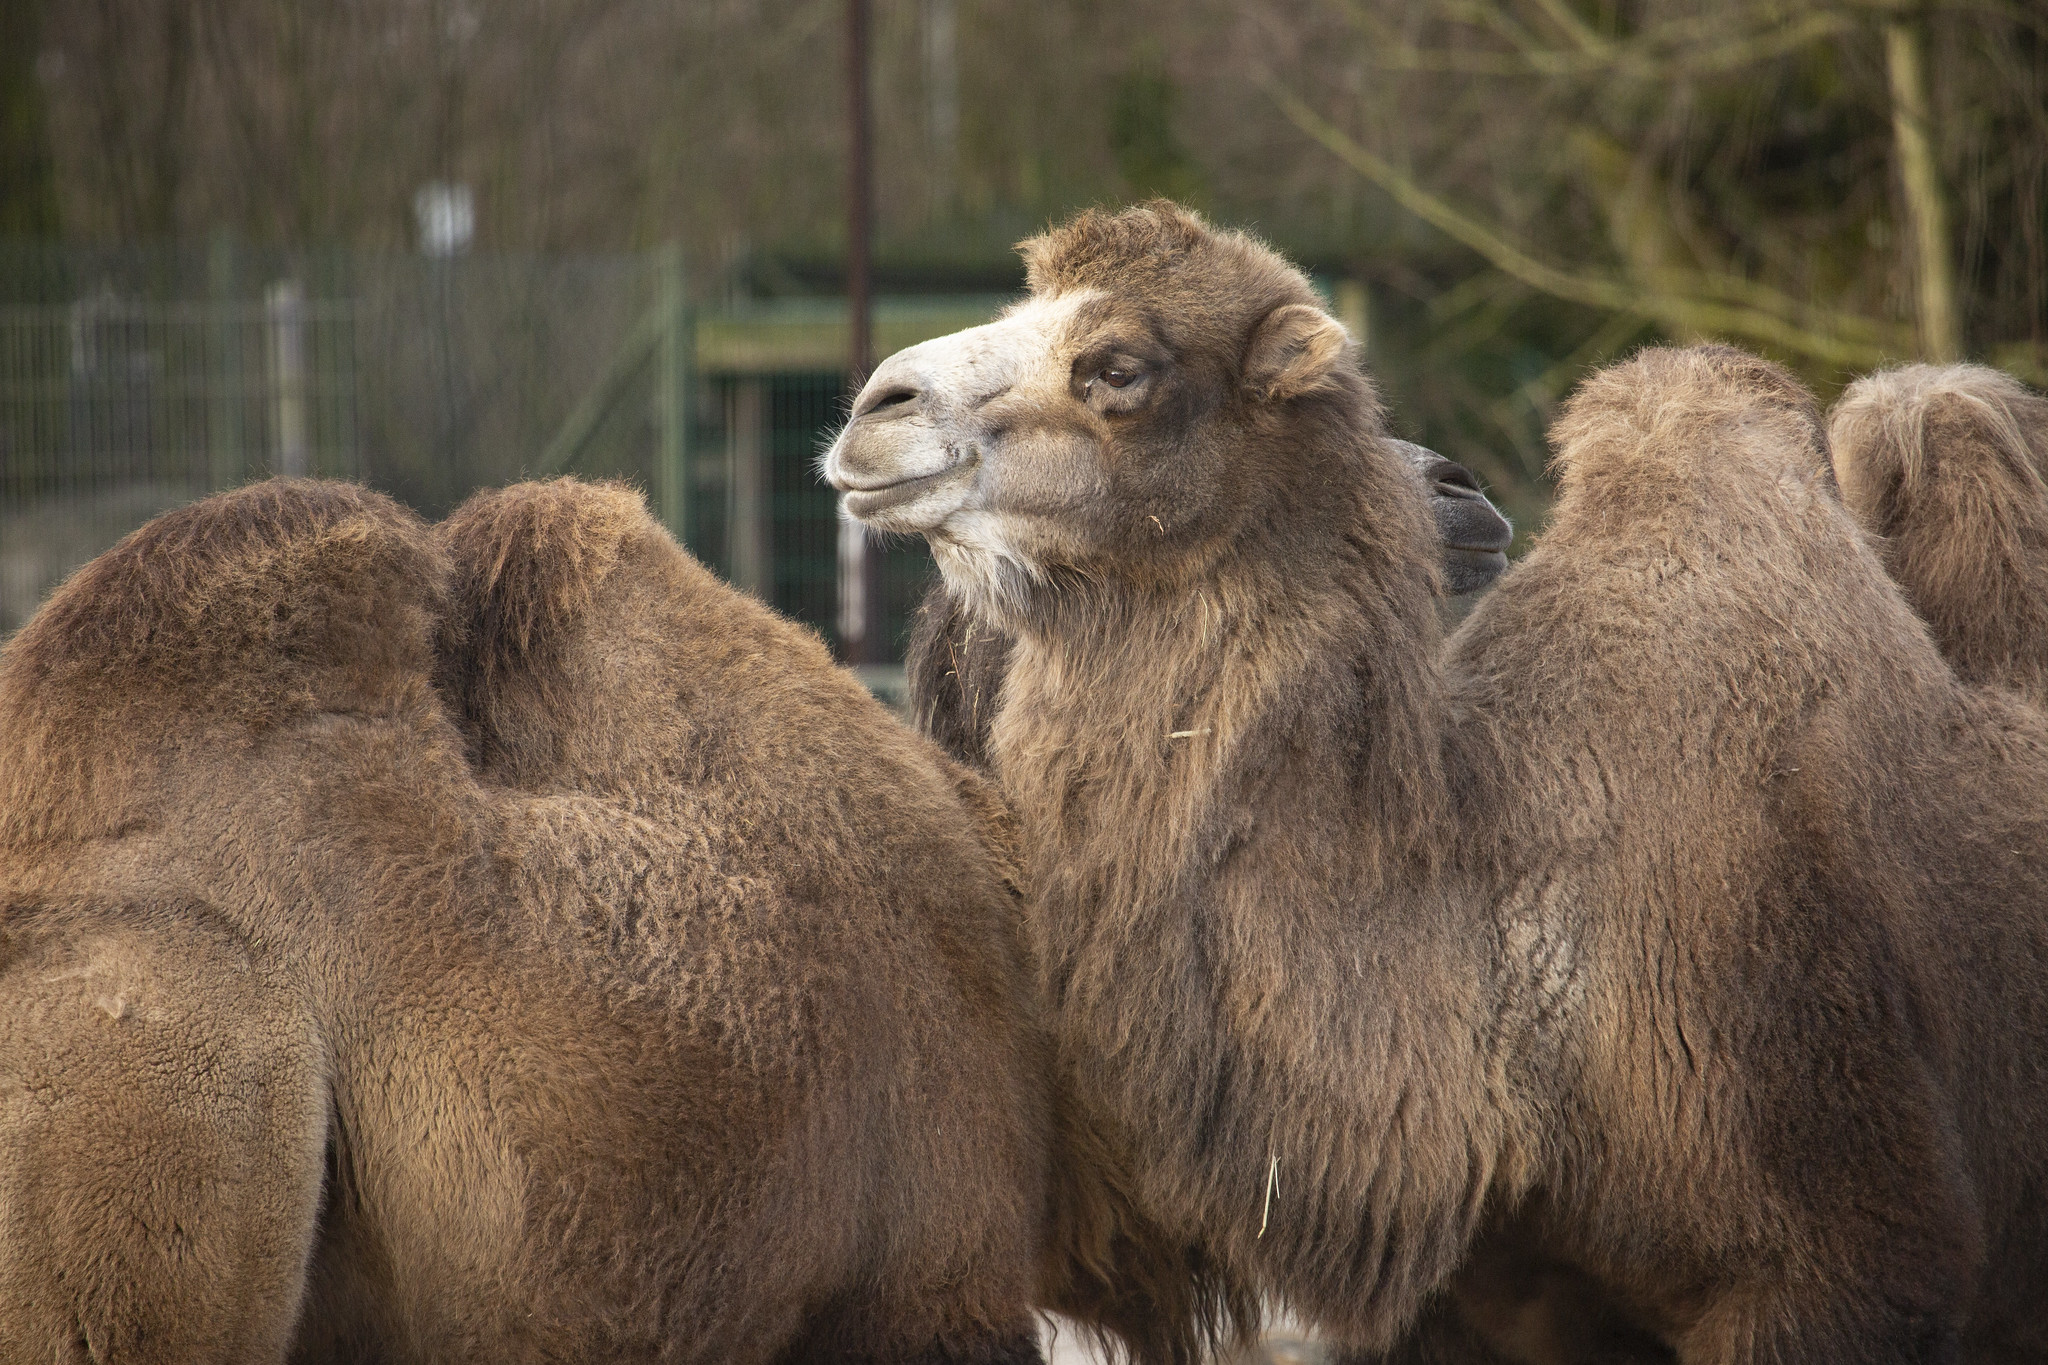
(1249, 296)
(1945, 464)
(1100, 248)
(1673, 413)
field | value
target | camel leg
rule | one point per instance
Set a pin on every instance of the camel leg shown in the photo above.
(1005, 1348)
(1441, 1336)
(161, 1121)
(1778, 1328)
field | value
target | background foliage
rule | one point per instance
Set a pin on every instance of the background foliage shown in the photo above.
(1522, 188)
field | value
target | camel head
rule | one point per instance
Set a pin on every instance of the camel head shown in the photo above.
(1145, 405)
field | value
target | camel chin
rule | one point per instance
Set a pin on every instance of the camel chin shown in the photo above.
(915, 490)
(1653, 970)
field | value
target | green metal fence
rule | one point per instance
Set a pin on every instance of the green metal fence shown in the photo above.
(132, 380)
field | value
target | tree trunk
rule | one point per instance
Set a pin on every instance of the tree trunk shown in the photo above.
(1941, 331)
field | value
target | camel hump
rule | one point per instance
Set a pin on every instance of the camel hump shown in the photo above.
(228, 618)
(1945, 463)
(529, 561)
(530, 558)
(1894, 432)
(1686, 425)
(251, 606)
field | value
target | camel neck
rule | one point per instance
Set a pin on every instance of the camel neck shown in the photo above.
(1228, 805)
(1306, 684)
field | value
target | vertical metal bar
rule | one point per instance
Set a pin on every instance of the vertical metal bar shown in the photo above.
(942, 82)
(748, 533)
(344, 400)
(285, 308)
(860, 596)
(859, 197)
(672, 384)
(224, 373)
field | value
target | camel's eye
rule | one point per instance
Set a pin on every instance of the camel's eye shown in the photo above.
(1113, 381)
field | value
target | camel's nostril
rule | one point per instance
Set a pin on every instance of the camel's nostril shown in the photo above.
(897, 397)
(1451, 479)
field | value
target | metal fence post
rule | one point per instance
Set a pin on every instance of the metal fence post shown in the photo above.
(285, 306)
(672, 386)
(749, 487)
(224, 391)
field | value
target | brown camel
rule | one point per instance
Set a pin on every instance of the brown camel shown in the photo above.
(1945, 463)
(1659, 972)
(659, 1000)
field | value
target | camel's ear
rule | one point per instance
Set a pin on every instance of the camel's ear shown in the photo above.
(1293, 351)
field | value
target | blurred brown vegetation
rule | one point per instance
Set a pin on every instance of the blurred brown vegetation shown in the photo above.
(1514, 189)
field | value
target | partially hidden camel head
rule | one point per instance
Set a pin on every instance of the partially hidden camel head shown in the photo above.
(1123, 422)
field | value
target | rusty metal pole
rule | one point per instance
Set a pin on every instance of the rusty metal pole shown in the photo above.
(859, 192)
(861, 629)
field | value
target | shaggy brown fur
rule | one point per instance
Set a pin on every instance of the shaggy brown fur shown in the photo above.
(670, 1006)
(1663, 974)
(955, 661)
(1946, 464)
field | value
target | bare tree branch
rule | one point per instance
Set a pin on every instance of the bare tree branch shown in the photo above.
(1837, 338)
(1660, 54)
(1575, 28)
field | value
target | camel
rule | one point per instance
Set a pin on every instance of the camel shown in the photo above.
(955, 663)
(1659, 970)
(1128, 1287)
(501, 943)
(1945, 463)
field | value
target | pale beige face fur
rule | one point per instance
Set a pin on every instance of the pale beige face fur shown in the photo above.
(1097, 432)
(990, 442)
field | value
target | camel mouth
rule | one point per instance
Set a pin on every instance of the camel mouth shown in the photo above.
(1492, 541)
(1479, 554)
(866, 504)
(1468, 527)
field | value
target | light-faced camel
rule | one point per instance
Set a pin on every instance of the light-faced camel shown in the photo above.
(659, 999)
(1660, 971)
